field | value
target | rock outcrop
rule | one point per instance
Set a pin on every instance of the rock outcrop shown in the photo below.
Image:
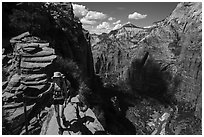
(31, 61)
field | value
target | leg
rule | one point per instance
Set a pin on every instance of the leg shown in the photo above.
(57, 115)
(62, 111)
(62, 107)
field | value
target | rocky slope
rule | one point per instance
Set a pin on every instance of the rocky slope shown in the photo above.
(56, 41)
(171, 69)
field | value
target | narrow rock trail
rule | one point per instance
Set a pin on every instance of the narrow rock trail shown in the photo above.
(88, 124)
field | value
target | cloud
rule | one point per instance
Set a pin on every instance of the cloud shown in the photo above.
(103, 25)
(79, 10)
(86, 16)
(95, 15)
(117, 26)
(136, 16)
(111, 18)
(117, 22)
(87, 27)
(87, 22)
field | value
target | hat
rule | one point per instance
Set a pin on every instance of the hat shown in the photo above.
(57, 75)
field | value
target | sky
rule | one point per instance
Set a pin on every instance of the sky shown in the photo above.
(100, 17)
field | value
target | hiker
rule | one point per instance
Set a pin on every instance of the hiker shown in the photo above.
(60, 95)
(75, 102)
(115, 103)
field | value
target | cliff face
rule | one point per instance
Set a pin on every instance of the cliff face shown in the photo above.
(171, 69)
(176, 44)
(111, 51)
(56, 41)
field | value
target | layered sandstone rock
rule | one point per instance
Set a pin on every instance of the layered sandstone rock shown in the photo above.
(31, 60)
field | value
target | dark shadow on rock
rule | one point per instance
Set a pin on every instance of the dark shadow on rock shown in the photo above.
(115, 119)
(87, 118)
(77, 125)
(147, 78)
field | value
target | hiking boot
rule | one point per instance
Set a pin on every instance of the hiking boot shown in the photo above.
(61, 130)
(65, 123)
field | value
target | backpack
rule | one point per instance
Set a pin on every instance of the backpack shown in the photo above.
(58, 94)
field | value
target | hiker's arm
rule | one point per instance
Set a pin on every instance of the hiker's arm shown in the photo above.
(49, 90)
(68, 94)
(65, 90)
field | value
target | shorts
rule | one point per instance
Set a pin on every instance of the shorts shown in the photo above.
(58, 101)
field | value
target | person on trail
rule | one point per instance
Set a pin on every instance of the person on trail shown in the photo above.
(75, 102)
(60, 94)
